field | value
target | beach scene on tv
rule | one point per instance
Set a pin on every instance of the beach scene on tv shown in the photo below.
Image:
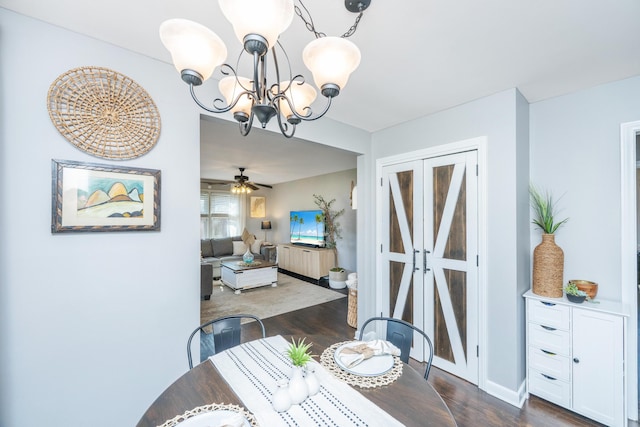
(307, 227)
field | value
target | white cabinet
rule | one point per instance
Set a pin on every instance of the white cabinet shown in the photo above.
(575, 356)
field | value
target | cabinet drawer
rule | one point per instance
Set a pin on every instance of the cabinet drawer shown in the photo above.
(550, 339)
(551, 364)
(555, 391)
(549, 314)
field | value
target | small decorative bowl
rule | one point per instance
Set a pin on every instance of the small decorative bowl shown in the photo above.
(590, 288)
(578, 299)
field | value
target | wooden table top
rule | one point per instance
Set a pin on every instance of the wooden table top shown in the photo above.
(411, 400)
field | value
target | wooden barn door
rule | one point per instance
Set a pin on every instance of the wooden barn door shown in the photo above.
(401, 258)
(451, 273)
(429, 255)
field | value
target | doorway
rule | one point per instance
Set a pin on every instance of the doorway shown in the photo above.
(629, 258)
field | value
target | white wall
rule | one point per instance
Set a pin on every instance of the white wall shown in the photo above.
(500, 118)
(94, 325)
(575, 153)
(298, 195)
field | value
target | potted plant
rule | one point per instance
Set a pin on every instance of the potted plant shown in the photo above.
(333, 232)
(574, 294)
(548, 258)
(299, 353)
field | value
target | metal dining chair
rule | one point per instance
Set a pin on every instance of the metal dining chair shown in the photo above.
(400, 334)
(225, 332)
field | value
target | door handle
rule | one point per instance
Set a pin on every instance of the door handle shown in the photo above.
(415, 251)
(424, 260)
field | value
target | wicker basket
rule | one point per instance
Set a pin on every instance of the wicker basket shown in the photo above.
(104, 113)
(352, 312)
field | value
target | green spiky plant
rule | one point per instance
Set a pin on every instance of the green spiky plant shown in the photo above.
(299, 352)
(544, 210)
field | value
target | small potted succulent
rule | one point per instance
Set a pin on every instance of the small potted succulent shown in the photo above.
(574, 294)
(299, 353)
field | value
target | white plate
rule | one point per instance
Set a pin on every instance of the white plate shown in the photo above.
(210, 419)
(372, 367)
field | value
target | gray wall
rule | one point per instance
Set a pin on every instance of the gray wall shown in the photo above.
(96, 320)
(575, 152)
(502, 118)
(298, 195)
(92, 323)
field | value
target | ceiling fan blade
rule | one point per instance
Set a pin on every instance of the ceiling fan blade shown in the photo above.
(251, 186)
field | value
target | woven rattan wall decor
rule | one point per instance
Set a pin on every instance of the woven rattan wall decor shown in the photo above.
(104, 113)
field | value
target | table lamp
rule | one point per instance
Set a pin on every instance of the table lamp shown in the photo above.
(265, 225)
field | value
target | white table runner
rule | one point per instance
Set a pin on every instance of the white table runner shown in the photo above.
(252, 370)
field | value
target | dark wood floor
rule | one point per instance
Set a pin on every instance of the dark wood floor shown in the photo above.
(469, 405)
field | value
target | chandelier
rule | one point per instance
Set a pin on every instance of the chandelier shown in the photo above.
(196, 52)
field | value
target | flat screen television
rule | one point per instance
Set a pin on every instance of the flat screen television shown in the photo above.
(307, 228)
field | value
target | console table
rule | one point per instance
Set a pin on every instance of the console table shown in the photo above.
(306, 261)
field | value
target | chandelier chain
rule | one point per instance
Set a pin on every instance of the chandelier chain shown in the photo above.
(308, 22)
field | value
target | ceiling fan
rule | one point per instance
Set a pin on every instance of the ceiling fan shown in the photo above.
(240, 183)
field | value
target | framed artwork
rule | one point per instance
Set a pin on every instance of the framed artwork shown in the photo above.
(258, 207)
(93, 197)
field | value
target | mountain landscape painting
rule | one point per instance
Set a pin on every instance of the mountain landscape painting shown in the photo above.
(109, 198)
(95, 197)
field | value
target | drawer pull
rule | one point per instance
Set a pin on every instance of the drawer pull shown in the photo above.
(548, 377)
(576, 360)
(548, 328)
(547, 352)
(550, 304)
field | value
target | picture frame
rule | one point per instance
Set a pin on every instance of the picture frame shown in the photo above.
(258, 207)
(89, 197)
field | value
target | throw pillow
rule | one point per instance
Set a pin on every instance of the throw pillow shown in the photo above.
(222, 247)
(206, 250)
(247, 237)
(239, 248)
(255, 246)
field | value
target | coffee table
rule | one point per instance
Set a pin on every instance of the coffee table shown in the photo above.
(240, 276)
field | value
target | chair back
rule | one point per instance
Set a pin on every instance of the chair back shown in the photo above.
(226, 332)
(400, 334)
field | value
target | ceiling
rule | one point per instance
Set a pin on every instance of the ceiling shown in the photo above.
(418, 56)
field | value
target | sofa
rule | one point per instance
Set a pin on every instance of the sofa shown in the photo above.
(215, 251)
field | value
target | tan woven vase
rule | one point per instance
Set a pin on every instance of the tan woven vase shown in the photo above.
(548, 266)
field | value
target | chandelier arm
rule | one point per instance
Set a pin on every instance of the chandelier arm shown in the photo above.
(215, 109)
(245, 127)
(284, 127)
(309, 117)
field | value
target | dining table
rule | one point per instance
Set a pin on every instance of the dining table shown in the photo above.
(409, 398)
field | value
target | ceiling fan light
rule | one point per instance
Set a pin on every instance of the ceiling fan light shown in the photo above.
(267, 18)
(300, 95)
(193, 46)
(230, 87)
(331, 60)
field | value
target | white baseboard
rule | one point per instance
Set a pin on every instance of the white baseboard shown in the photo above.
(515, 398)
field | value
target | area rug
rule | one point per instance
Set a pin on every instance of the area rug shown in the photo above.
(290, 294)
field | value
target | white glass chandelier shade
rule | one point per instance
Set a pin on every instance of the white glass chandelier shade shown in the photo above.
(267, 18)
(331, 60)
(193, 46)
(301, 97)
(230, 88)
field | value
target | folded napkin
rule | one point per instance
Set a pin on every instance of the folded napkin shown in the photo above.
(351, 355)
(236, 420)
